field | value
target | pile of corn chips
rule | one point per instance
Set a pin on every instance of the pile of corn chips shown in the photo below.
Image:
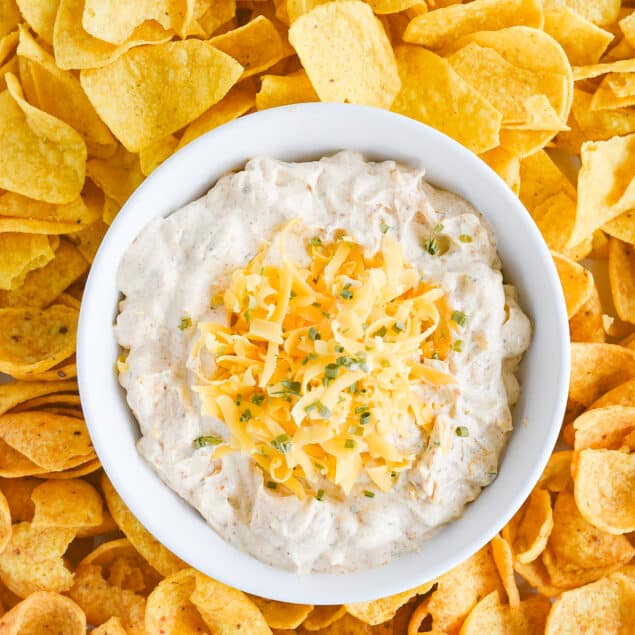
(95, 94)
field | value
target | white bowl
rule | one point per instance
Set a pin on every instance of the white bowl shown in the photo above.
(294, 133)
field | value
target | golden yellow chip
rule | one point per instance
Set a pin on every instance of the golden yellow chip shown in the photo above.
(602, 607)
(70, 503)
(40, 156)
(222, 607)
(60, 94)
(380, 611)
(84, 468)
(19, 254)
(32, 561)
(42, 286)
(216, 13)
(583, 41)
(537, 114)
(296, 8)
(617, 90)
(622, 227)
(604, 427)
(536, 575)
(8, 44)
(237, 102)
(153, 91)
(602, 12)
(346, 54)
(622, 276)
(40, 15)
(529, 530)
(606, 188)
(586, 325)
(280, 90)
(323, 616)
(443, 99)
(100, 600)
(506, 165)
(502, 554)
(9, 16)
(443, 27)
(494, 618)
(576, 281)
(117, 176)
(622, 395)
(150, 548)
(281, 615)
(577, 547)
(627, 27)
(597, 368)
(169, 608)
(605, 489)
(112, 22)
(113, 626)
(382, 7)
(74, 48)
(44, 612)
(557, 475)
(256, 46)
(21, 214)
(89, 239)
(152, 156)
(52, 442)
(460, 589)
(5, 522)
(42, 403)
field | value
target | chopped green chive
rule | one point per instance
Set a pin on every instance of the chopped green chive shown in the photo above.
(364, 418)
(315, 241)
(431, 245)
(323, 411)
(349, 444)
(310, 356)
(282, 443)
(339, 348)
(438, 228)
(398, 326)
(257, 399)
(462, 431)
(381, 332)
(393, 474)
(384, 227)
(458, 317)
(292, 294)
(457, 346)
(316, 304)
(246, 415)
(331, 371)
(186, 322)
(211, 439)
(369, 494)
(326, 314)
(360, 409)
(346, 292)
(465, 238)
(311, 406)
(320, 495)
(353, 388)
(358, 431)
(314, 334)
(271, 485)
(247, 316)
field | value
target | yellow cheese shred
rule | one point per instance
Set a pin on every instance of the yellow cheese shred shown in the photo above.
(315, 374)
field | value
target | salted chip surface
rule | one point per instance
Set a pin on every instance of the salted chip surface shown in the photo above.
(256, 46)
(152, 156)
(583, 41)
(152, 91)
(506, 165)
(21, 253)
(598, 11)
(440, 28)
(32, 561)
(280, 90)
(606, 184)
(44, 612)
(40, 15)
(74, 48)
(443, 100)
(281, 615)
(495, 618)
(605, 489)
(604, 607)
(114, 22)
(60, 94)
(604, 427)
(40, 155)
(577, 282)
(597, 368)
(622, 278)
(346, 54)
(69, 503)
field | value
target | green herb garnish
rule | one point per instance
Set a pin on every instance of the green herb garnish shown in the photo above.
(257, 399)
(398, 326)
(431, 245)
(315, 241)
(380, 332)
(364, 418)
(331, 371)
(314, 334)
(465, 238)
(246, 415)
(186, 322)
(457, 346)
(211, 439)
(458, 317)
(349, 444)
(271, 484)
(346, 292)
(384, 227)
(323, 411)
(369, 494)
(462, 431)
(320, 495)
(358, 431)
(282, 443)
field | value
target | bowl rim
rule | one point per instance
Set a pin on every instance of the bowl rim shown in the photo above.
(101, 396)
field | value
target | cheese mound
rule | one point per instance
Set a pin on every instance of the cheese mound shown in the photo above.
(316, 375)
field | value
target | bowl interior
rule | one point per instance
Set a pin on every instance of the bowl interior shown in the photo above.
(301, 132)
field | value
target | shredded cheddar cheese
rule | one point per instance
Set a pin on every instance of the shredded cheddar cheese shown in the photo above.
(316, 374)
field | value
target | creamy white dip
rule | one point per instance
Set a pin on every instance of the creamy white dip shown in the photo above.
(178, 263)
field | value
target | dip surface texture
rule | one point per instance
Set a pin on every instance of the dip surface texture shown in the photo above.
(177, 264)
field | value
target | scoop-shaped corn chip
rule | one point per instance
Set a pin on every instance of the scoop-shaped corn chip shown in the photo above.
(19, 254)
(44, 612)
